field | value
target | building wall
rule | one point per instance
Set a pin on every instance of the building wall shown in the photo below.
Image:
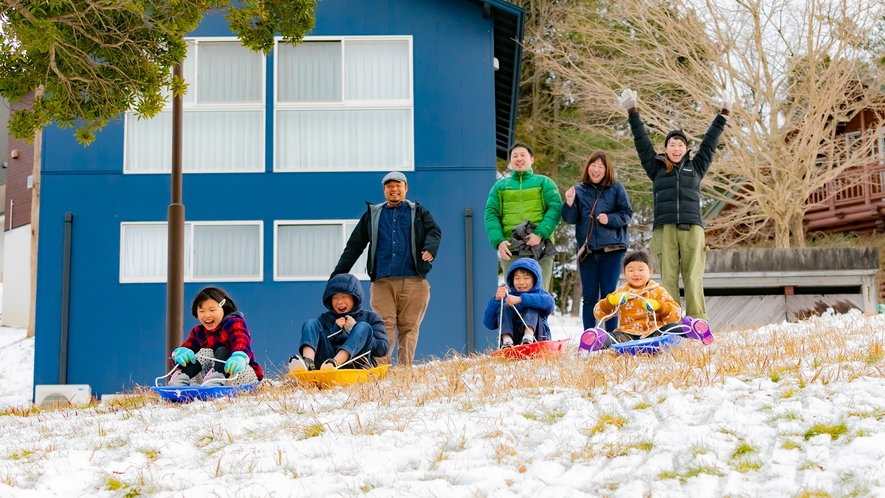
(18, 195)
(4, 128)
(454, 141)
(16, 276)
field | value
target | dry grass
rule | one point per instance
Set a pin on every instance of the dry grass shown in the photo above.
(821, 355)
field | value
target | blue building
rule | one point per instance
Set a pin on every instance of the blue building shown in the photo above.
(280, 154)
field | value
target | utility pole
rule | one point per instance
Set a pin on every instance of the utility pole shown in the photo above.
(175, 254)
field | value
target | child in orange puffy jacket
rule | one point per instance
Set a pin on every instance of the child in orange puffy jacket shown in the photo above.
(644, 308)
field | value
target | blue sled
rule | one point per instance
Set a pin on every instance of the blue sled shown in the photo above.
(190, 393)
(649, 345)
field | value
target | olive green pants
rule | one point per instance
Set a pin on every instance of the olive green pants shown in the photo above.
(682, 252)
(546, 269)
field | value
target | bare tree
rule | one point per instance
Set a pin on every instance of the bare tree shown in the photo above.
(800, 71)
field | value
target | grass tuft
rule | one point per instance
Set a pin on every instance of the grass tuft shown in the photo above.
(834, 431)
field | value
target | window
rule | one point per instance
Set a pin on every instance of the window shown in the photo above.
(344, 105)
(223, 118)
(309, 250)
(228, 251)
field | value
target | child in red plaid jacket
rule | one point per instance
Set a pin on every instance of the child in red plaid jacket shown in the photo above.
(220, 347)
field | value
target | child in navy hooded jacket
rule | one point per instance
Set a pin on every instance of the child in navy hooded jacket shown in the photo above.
(343, 333)
(526, 306)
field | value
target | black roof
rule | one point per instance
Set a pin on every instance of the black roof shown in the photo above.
(509, 25)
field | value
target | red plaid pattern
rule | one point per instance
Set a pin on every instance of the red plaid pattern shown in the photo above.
(232, 334)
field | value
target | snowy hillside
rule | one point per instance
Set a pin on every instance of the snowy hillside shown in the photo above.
(786, 410)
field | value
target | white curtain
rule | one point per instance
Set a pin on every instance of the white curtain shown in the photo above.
(216, 140)
(213, 141)
(377, 70)
(332, 140)
(310, 72)
(359, 268)
(308, 251)
(227, 251)
(228, 72)
(144, 252)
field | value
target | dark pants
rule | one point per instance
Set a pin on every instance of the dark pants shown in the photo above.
(511, 324)
(356, 342)
(599, 278)
(222, 353)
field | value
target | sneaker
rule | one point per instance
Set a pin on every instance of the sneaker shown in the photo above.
(179, 379)
(214, 379)
(698, 329)
(592, 340)
(329, 364)
(529, 339)
(507, 342)
(299, 364)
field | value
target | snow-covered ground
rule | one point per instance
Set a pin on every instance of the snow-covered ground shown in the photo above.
(16, 365)
(798, 421)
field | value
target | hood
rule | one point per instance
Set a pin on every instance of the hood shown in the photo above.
(530, 265)
(344, 283)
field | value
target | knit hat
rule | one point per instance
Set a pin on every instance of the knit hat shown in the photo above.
(676, 134)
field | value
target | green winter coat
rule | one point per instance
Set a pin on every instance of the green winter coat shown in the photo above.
(522, 196)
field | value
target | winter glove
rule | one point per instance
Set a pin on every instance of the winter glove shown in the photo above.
(617, 298)
(652, 305)
(236, 363)
(183, 356)
(726, 105)
(627, 100)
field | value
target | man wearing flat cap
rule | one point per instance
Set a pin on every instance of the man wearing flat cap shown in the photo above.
(403, 240)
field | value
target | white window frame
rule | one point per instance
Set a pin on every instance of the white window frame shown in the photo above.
(261, 105)
(313, 278)
(189, 227)
(408, 104)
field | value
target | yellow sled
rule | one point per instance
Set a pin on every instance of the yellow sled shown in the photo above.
(340, 377)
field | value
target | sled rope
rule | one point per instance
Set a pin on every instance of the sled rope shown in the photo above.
(157, 380)
(352, 359)
(501, 319)
(649, 315)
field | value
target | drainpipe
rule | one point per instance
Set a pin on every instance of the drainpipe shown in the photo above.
(468, 266)
(65, 300)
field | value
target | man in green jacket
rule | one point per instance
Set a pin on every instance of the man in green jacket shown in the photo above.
(523, 196)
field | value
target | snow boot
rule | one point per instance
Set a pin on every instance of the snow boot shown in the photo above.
(214, 379)
(299, 364)
(179, 379)
(592, 340)
(698, 329)
(329, 364)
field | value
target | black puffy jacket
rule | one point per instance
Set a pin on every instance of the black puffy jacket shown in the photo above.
(677, 193)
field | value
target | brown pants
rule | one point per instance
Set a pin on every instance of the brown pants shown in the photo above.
(401, 302)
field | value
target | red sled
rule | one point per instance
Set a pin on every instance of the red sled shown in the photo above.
(533, 350)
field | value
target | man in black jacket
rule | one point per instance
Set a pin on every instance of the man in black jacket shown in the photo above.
(403, 240)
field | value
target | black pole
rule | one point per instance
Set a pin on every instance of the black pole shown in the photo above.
(65, 300)
(175, 255)
(468, 267)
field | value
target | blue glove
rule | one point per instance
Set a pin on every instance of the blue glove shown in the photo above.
(236, 363)
(183, 356)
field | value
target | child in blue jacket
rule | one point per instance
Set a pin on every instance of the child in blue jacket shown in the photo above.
(343, 333)
(526, 306)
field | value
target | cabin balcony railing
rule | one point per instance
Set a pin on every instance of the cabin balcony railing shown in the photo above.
(864, 185)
